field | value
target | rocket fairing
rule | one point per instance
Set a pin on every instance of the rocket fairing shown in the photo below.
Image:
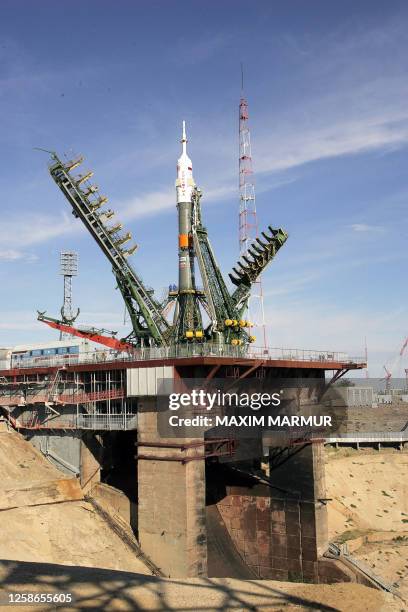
(184, 182)
(184, 187)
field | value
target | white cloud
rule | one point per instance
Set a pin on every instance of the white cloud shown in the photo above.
(147, 204)
(352, 96)
(14, 255)
(365, 227)
(156, 202)
(291, 147)
(19, 232)
(19, 321)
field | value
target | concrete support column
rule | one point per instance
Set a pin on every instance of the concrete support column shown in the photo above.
(319, 493)
(171, 505)
(299, 530)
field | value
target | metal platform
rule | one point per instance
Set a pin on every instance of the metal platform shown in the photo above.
(189, 354)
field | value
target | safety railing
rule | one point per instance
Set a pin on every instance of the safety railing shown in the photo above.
(186, 351)
(341, 553)
(364, 436)
(83, 398)
(106, 422)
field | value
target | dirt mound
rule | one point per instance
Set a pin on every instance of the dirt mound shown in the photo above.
(69, 533)
(21, 463)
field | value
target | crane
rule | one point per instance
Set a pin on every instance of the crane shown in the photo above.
(387, 379)
(396, 365)
(93, 334)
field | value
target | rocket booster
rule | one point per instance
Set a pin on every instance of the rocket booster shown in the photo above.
(184, 187)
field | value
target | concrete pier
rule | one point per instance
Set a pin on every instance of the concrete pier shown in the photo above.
(171, 492)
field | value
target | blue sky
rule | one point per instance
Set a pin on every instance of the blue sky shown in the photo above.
(327, 88)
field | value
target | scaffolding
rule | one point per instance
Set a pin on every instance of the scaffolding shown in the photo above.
(70, 400)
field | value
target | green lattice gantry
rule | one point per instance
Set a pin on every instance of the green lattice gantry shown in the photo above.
(210, 314)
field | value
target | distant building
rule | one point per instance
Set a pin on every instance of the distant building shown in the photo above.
(357, 396)
(384, 398)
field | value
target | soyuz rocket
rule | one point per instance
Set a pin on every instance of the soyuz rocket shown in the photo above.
(187, 314)
(184, 187)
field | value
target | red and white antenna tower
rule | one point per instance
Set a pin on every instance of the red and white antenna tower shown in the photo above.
(248, 222)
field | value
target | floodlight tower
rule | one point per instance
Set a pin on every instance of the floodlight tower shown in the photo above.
(248, 222)
(68, 269)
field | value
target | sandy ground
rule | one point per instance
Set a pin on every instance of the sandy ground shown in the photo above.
(369, 491)
(389, 560)
(69, 533)
(370, 495)
(107, 590)
(22, 463)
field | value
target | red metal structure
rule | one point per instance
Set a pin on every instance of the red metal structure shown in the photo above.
(92, 334)
(248, 222)
(387, 379)
(395, 365)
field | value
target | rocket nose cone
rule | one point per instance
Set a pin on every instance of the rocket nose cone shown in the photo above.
(184, 139)
(183, 132)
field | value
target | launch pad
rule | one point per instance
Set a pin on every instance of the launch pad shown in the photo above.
(94, 413)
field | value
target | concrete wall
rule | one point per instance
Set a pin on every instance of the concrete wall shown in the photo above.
(276, 537)
(142, 382)
(63, 449)
(73, 453)
(282, 535)
(171, 508)
(303, 476)
(115, 502)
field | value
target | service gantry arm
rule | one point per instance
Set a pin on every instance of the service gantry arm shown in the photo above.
(225, 309)
(258, 256)
(149, 324)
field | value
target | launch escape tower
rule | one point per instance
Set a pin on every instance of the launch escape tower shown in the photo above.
(213, 314)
